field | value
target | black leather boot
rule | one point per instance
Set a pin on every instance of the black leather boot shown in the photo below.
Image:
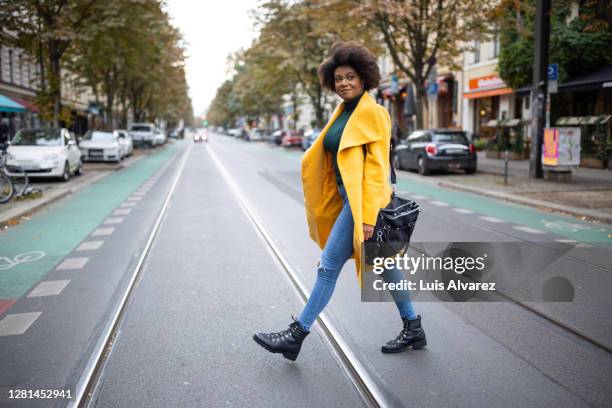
(288, 342)
(412, 335)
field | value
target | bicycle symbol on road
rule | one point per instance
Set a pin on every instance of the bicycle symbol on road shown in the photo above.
(571, 227)
(31, 256)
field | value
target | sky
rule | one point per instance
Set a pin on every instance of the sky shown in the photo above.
(212, 29)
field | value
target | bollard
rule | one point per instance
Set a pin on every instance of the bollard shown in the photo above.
(505, 167)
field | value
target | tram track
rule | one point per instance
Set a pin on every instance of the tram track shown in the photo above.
(85, 388)
(365, 385)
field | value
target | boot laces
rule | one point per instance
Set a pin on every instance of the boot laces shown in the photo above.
(285, 333)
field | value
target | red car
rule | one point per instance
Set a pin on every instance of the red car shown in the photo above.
(292, 138)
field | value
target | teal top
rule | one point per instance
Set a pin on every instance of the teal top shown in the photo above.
(331, 143)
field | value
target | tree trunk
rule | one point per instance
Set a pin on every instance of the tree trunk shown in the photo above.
(421, 100)
(55, 82)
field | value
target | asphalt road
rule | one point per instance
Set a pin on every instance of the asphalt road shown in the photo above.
(210, 282)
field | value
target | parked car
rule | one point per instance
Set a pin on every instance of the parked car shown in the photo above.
(234, 132)
(255, 134)
(277, 136)
(160, 136)
(174, 134)
(143, 134)
(126, 142)
(292, 138)
(436, 149)
(309, 138)
(99, 145)
(45, 152)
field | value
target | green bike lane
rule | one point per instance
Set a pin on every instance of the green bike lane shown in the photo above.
(563, 226)
(29, 251)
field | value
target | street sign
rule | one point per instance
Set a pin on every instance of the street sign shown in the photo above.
(394, 85)
(553, 72)
(553, 78)
(432, 89)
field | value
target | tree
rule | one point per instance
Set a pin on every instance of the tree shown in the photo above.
(299, 36)
(578, 43)
(132, 52)
(422, 33)
(46, 28)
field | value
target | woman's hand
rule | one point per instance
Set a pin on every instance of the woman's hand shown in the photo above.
(368, 231)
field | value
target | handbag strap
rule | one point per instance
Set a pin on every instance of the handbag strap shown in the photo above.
(393, 176)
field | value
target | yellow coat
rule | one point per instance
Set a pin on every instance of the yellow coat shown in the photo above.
(365, 177)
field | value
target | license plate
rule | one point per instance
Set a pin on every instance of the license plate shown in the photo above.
(454, 151)
(454, 165)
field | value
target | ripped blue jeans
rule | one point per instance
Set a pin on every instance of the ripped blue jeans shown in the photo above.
(338, 249)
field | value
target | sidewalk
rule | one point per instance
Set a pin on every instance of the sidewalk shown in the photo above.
(16, 211)
(588, 196)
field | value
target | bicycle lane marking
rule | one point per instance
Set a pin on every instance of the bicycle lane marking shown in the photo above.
(583, 231)
(466, 202)
(57, 230)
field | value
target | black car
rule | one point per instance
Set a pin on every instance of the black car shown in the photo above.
(435, 149)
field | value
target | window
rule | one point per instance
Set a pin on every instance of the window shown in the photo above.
(476, 51)
(10, 61)
(451, 137)
(527, 100)
(414, 137)
(496, 44)
(19, 70)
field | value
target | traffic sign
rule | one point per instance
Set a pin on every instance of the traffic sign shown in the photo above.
(553, 72)
(432, 89)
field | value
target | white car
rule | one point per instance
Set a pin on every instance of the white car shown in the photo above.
(143, 134)
(160, 136)
(45, 152)
(125, 140)
(101, 145)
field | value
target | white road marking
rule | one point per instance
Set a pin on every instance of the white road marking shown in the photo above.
(527, 229)
(134, 198)
(139, 193)
(492, 219)
(440, 203)
(102, 231)
(72, 263)
(463, 210)
(49, 288)
(30, 256)
(122, 211)
(569, 241)
(418, 197)
(17, 323)
(116, 220)
(131, 204)
(90, 245)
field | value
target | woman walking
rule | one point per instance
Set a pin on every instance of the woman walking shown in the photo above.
(345, 179)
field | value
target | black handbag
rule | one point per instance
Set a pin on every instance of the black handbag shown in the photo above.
(394, 225)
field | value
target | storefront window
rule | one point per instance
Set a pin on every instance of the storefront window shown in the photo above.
(486, 110)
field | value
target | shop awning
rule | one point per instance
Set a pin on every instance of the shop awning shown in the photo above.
(28, 105)
(600, 79)
(8, 105)
(487, 93)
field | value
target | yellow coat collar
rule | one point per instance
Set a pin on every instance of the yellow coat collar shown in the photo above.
(362, 127)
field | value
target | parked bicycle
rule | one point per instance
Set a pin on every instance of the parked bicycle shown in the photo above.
(14, 180)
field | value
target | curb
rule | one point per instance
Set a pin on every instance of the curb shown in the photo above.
(532, 202)
(55, 195)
